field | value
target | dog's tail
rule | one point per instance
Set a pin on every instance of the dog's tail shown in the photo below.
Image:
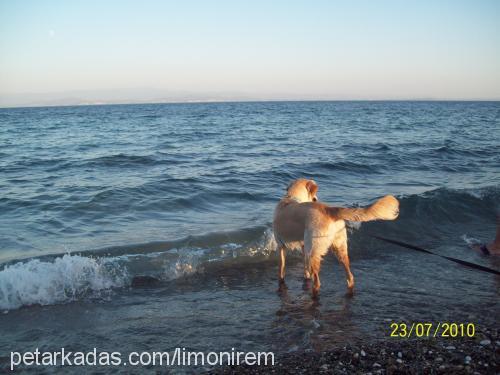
(386, 208)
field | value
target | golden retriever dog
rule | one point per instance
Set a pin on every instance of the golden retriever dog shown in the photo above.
(300, 221)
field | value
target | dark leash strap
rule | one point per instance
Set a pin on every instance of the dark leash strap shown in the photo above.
(416, 248)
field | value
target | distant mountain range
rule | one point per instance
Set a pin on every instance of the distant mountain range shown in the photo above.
(144, 95)
(116, 97)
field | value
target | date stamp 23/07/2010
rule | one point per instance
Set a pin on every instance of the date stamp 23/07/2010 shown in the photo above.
(428, 329)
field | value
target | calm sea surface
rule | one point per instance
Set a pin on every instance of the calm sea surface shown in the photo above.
(92, 196)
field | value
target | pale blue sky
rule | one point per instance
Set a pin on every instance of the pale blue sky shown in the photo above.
(141, 50)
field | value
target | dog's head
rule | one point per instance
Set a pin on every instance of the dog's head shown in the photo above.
(302, 190)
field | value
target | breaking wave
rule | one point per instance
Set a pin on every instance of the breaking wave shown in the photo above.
(70, 277)
(67, 278)
(63, 279)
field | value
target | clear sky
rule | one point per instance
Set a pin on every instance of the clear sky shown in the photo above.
(146, 50)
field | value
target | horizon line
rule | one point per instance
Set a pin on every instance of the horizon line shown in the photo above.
(215, 101)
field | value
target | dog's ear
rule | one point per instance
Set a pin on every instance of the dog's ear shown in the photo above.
(312, 187)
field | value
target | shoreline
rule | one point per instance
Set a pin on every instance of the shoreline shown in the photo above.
(477, 355)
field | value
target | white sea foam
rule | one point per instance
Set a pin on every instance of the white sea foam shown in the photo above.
(470, 241)
(265, 246)
(476, 193)
(62, 280)
(186, 264)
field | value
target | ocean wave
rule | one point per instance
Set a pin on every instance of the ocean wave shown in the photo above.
(441, 209)
(451, 150)
(433, 218)
(118, 200)
(341, 165)
(64, 279)
(68, 278)
(352, 167)
(122, 160)
(454, 204)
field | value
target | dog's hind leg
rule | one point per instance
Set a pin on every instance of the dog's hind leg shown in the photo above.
(307, 264)
(315, 267)
(316, 246)
(344, 260)
(282, 265)
(340, 250)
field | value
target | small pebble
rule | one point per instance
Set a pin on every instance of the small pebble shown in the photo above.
(399, 360)
(400, 355)
(468, 359)
(363, 354)
(377, 364)
(485, 342)
(325, 367)
(450, 347)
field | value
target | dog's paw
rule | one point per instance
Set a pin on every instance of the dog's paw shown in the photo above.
(315, 294)
(282, 288)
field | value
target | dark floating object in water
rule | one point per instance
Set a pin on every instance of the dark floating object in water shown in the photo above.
(144, 281)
